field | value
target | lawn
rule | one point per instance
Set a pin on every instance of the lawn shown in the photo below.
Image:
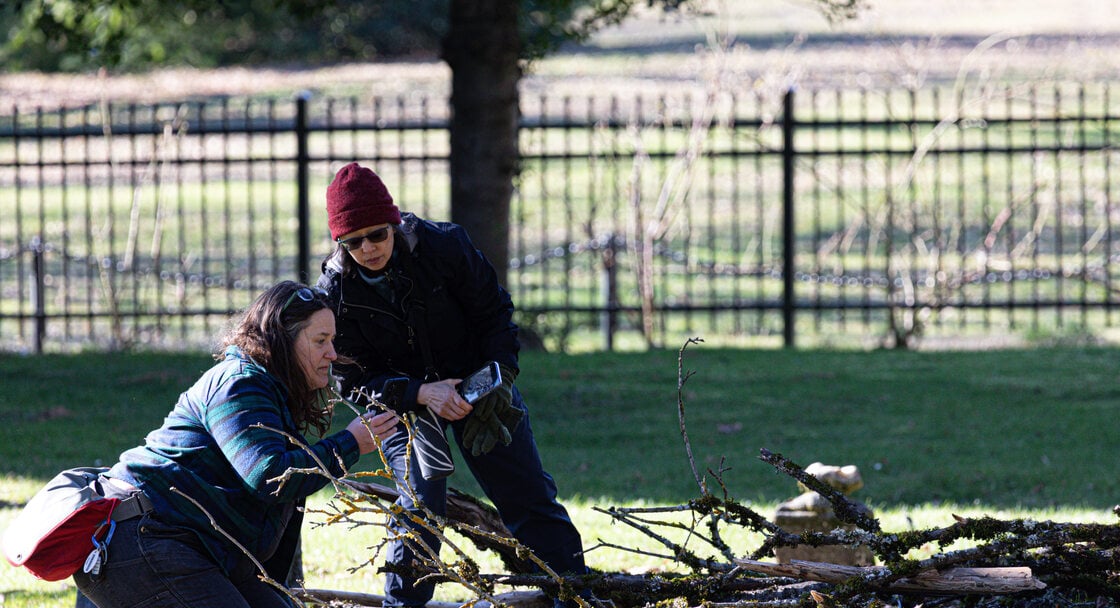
(1005, 433)
(1010, 433)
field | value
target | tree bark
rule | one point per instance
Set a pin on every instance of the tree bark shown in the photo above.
(482, 48)
(952, 581)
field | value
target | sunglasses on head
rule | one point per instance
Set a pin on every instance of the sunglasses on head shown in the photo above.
(373, 236)
(303, 293)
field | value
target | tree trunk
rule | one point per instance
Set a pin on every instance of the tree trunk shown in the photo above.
(482, 48)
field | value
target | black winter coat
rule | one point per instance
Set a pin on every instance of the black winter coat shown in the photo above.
(446, 284)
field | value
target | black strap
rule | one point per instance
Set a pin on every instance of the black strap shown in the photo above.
(133, 506)
(134, 502)
(414, 316)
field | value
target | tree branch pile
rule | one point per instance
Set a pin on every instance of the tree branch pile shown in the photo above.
(1016, 562)
(1013, 562)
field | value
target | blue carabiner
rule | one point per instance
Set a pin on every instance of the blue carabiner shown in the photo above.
(108, 537)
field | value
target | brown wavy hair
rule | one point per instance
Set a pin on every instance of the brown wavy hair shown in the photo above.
(267, 331)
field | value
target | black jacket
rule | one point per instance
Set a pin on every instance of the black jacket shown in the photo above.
(446, 284)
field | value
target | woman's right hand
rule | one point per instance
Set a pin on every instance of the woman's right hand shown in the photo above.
(364, 428)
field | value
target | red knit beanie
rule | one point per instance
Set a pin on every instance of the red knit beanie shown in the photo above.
(357, 198)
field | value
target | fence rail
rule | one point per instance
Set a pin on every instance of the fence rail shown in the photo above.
(821, 216)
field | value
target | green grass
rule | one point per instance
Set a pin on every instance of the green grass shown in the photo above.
(1006, 433)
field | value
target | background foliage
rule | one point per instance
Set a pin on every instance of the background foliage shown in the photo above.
(73, 35)
(69, 36)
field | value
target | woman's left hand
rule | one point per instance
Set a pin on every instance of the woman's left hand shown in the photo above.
(443, 398)
(366, 427)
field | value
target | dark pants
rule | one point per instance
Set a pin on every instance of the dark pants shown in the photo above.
(514, 480)
(153, 564)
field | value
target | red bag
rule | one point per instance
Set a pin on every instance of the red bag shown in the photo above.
(53, 534)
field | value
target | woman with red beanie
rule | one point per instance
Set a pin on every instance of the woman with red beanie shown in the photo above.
(416, 299)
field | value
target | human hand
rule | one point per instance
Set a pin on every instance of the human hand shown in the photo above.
(481, 433)
(444, 399)
(510, 417)
(371, 428)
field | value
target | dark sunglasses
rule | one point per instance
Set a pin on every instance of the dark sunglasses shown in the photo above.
(303, 293)
(373, 236)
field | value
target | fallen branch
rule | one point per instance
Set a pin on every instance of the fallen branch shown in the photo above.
(953, 581)
(845, 510)
(466, 509)
(325, 597)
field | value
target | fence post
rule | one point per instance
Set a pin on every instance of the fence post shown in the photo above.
(37, 297)
(609, 288)
(789, 233)
(303, 187)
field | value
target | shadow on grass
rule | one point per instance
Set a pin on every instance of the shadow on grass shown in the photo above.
(1010, 429)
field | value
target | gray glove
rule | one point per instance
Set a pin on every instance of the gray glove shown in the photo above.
(493, 417)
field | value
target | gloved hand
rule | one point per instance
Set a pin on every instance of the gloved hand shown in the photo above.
(510, 417)
(493, 417)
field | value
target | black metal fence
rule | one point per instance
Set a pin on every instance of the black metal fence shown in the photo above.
(810, 217)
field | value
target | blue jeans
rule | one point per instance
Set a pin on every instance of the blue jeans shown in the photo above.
(514, 480)
(154, 564)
